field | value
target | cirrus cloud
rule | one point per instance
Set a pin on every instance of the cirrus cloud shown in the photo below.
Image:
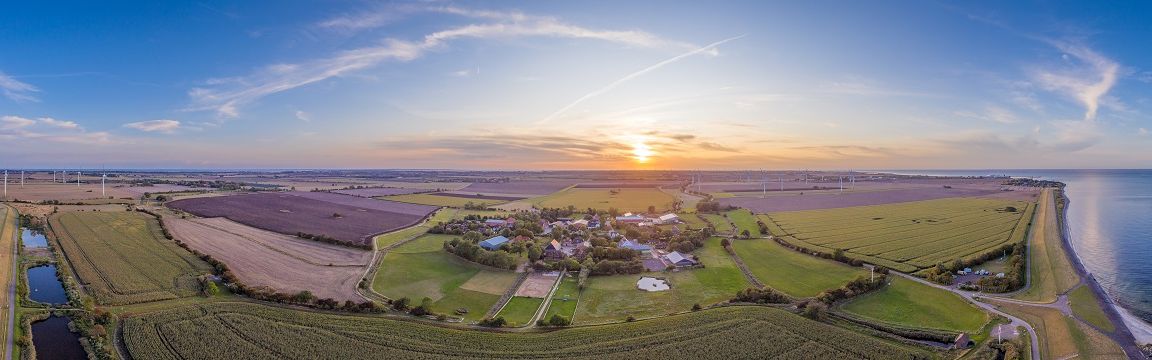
(161, 126)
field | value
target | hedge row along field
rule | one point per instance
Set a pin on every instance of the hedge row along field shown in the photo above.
(908, 236)
(251, 331)
(123, 258)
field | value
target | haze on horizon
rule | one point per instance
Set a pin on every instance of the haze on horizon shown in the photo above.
(587, 85)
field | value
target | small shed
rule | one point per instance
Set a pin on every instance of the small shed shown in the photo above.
(678, 259)
(963, 341)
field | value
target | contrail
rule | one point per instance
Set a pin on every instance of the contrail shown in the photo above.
(634, 75)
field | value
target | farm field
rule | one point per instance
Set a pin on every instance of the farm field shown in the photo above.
(1063, 337)
(613, 298)
(908, 303)
(251, 331)
(374, 192)
(395, 237)
(813, 200)
(625, 200)
(421, 268)
(791, 272)
(86, 192)
(1051, 269)
(122, 258)
(314, 213)
(441, 200)
(908, 236)
(520, 309)
(693, 221)
(285, 263)
(722, 225)
(525, 188)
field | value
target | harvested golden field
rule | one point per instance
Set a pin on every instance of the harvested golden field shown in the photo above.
(123, 258)
(285, 263)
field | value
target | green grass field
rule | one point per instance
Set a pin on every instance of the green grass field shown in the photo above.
(625, 200)
(791, 272)
(722, 225)
(692, 221)
(614, 298)
(565, 300)
(1062, 337)
(744, 220)
(253, 331)
(910, 236)
(1087, 307)
(519, 310)
(122, 257)
(440, 200)
(442, 215)
(912, 304)
(421, 268)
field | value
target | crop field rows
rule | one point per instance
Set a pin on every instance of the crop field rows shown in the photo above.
(122, 257)
(251, 331)
(908, 236)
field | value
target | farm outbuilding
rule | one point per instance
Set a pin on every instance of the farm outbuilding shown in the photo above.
(493, 243)
(629, 244)
(678, 259)
(668, 219)
(963, 341)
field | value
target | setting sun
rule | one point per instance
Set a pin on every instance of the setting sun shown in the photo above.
(641, 152)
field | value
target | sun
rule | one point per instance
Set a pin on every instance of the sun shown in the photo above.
(641, 152)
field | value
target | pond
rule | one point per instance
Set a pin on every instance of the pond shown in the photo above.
(33, 239)
(53, 340)
(44, 287)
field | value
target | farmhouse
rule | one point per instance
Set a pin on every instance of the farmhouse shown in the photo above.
(554, 249)
(493, 243)
(678, 259)
(651, 284)
(629, 244)
(579, 223)
(495, 222)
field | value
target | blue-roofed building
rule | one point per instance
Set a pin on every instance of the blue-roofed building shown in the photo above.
(493, 243)
(630, 219)
(629, 244)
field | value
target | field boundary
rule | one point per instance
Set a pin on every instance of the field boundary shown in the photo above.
(508, 295)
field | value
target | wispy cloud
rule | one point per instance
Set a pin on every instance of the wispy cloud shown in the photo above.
(161, 126)
(13, 128)
(303, 116)
(707, 49)
(1142, 132)
(991, 113)
(225, 96)
(1087, 83)
(16, 90)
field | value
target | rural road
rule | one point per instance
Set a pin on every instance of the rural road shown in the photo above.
(11, 303)
(971, 297)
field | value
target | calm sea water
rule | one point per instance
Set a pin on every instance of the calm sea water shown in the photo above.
(1110, 222)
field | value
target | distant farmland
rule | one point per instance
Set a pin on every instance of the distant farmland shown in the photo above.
(908, 236)
(627, 199)
(122, 257)
(829, 199)
(374, 192)
(343, 217)
(251, 331)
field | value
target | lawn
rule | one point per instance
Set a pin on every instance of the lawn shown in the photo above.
(1087, 307)
(421, 268)
(439, 200)
(624, 200)
(719, 222)
(912, 235)
(1052, 272)
(614, 298)
(565, 300)
(791, 272)
(1063, 337)
(519, 310)
(392, 238)
(122, 257)
(744, 220)
(909, 303)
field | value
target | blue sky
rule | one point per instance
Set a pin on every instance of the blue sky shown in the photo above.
(576, 85)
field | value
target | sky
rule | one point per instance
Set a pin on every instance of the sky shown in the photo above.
(539, 85)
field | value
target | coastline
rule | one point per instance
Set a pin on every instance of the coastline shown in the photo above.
(1133, 328)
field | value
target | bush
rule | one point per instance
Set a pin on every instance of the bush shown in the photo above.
(494, 322)
(760, 296)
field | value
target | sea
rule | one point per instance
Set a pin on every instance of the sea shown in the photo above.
(1110, 225)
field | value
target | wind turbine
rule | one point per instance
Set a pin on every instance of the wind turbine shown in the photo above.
(103, 176)
(5, 184)
(78, 178)
(21, 179)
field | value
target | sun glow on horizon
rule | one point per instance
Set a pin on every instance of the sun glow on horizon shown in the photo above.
(641, 151)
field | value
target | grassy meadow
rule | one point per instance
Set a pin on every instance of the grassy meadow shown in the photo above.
(912, 304)
(625, 200)
(440, 200)
(791, 272)
(520, 309)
